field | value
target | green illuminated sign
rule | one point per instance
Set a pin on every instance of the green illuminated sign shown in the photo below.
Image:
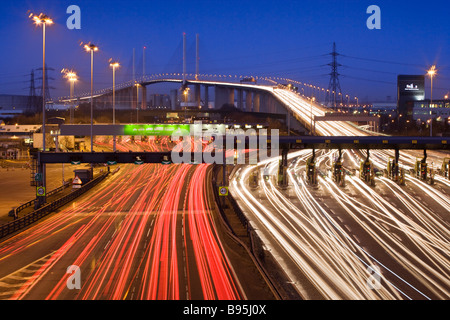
(156, 129)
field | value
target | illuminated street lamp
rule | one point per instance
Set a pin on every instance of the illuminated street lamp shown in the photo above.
(72, 78)
(114, 65)
(312, 100)
(44, 20)
(92, 48)
(431, 73)
(137, 101)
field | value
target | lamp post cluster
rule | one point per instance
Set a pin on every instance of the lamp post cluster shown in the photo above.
(44, 21)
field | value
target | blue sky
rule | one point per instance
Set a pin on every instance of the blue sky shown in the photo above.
(268, 38)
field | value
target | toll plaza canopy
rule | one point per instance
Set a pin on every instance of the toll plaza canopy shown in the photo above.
(285, 143)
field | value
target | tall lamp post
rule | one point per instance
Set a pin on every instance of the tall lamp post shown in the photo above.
(71, 76)
(312, 100)
(137, 102)
(92, 48)
(44, 20)
(114, 65)
(431, 73)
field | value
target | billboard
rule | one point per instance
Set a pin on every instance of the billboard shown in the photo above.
(156, 129)
(411, 86)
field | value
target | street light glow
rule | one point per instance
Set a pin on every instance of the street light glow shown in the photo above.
(41, 19)
(432, 71)
(90, 47)
(70, 75)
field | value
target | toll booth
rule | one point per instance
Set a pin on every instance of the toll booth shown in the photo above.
(266, 174)
(423, 172)
(393, 170)
(366, 172)
(338, 171)
(85, 175)
(282, 169)
(311, 172)
(253, 179)
(421, 169)
(282, 175)
(445, 168)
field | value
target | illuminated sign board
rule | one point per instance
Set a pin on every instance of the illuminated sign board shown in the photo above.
(156, 129)
(411, 86)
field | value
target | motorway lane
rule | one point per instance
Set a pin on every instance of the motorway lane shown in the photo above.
(282, 221)
(135, 239)
(341, 221)
(433, 224)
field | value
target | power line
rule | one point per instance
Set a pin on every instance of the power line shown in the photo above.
(383, 61)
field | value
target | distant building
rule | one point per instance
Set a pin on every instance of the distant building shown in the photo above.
(11, 105)
(439, 110)
(159, 101)
(174, 99)
(383, 107)
(410, 88)
(9, 131)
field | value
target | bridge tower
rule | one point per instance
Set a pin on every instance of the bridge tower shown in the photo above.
(184, 58)
(334, 84)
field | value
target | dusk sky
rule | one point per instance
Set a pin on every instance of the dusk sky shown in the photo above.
(289, 39)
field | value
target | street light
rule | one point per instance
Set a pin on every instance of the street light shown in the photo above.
(44, 20)
(92, 48)
(311, 131)
(431, 73)
(137, 102)
(72, 77)
(114, 65)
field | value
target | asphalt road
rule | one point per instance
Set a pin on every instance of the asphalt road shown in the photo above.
(147, 232)
(142, 234)
(330, 239)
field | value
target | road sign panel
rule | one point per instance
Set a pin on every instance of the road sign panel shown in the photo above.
(166, 160)
(223, 191)
(77, 180)
(138, 160)
(38, 177)
(40, 191)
